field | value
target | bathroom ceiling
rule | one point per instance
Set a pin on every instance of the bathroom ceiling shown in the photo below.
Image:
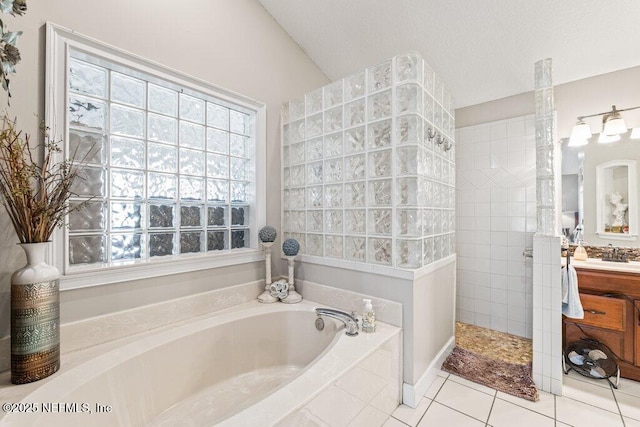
(482, 49)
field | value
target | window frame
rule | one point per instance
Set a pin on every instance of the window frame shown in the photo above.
(60, 42)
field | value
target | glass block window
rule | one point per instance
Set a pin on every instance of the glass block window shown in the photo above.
(171, 169)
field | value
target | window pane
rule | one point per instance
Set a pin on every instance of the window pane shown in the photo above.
(191, 108)
(190, 242)
(217, 240)
(90, 182)
(87, 147)
(238, 122)
(127, 121)
(240, 215)
(162, 158)
(217, 166)
(88, 216)
(168, 173)
(127, 184)
(162, 100)
(217, 116)
(161, 186)
(191, 188)
(239, 169)
(161, 244)
(126, 215)
(87, 112)
(217, 190)
(87, 250)
(217, 140)
(191, 162)
(126, 246)
(162, 128)
(239, 239)
(127, 153)
(239, 145)
(239, 192)
(191, 135)
(217, 216)
(161, 216)
(127, 90)
(87, 79)
(190, 216)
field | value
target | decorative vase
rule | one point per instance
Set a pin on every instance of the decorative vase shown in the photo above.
(35, 318)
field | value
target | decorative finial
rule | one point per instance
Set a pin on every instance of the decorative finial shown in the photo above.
(290, 247)
(267, 234)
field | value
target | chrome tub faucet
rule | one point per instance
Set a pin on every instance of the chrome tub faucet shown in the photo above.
(350, 322)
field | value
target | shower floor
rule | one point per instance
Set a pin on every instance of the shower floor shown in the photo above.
(494, 344)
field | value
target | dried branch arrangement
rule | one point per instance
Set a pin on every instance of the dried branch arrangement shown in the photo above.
(36, 196)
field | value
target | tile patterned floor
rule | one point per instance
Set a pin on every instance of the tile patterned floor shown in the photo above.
(453, 401)
(494, 344)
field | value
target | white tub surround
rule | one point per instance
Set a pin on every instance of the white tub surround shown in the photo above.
(428, 304)
(174, 373)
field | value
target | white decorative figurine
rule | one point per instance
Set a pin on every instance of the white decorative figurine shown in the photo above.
(290, 247)
(267, 235)
(619, 210)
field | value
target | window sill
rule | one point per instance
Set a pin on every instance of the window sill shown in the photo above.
(161, 267)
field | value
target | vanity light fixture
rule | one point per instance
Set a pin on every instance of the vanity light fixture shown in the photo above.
(613, 126)
(580, 134)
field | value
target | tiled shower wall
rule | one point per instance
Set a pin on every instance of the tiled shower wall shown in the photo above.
(496, 220)
(369, 167)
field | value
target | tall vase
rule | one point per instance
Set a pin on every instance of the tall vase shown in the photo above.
(35, 318)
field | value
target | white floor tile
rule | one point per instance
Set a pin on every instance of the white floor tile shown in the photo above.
(369, 417)
(412, 416)
(545, 406)
(475, 386)
(580, 414)
(629, 387)
(464, 399)
(434, 388)
(588, 393)
(392, 422)
(503, 414)
(629, 405)
(628, 422)
(440, 415)
(576, 376)
(442, 373)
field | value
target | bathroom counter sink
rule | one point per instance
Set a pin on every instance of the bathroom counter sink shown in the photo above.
(598, 264)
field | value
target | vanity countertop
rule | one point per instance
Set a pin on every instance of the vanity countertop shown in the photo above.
(599, 264)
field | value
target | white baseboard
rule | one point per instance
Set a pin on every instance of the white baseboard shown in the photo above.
(411, 394)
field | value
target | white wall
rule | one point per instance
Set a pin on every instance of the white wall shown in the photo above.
(496, 219)
(234, 44)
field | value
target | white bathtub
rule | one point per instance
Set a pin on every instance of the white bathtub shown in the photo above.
(252, 365)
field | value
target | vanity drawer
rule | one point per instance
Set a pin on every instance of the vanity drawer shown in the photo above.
(603, 312)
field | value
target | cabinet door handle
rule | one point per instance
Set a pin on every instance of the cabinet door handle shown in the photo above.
(602, 313)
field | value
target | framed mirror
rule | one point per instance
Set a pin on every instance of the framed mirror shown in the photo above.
(581, 201)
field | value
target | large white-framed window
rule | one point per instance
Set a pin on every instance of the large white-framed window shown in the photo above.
(174, 180)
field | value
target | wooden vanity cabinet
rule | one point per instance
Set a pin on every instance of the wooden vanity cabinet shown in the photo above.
(610, 300)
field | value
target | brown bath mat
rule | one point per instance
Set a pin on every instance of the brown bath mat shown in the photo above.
(503, 376)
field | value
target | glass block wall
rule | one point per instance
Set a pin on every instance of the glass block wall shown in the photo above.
(369, 167)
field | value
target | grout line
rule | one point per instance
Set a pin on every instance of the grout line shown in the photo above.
(615, 399)
(529, 409)
(493, 402)
(400, 421)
